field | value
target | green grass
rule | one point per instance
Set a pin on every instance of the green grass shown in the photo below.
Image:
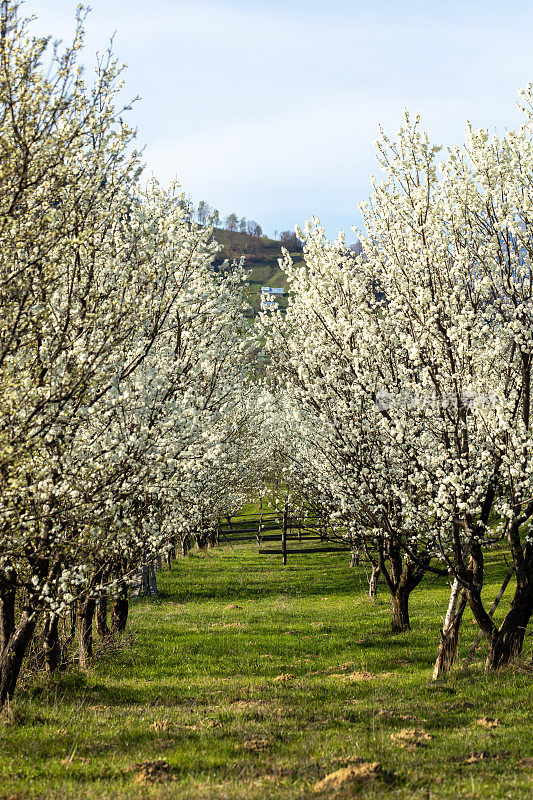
(193, 683)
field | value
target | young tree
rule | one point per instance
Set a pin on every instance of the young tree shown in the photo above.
(290, 240)
(253, 228)
(203, 212)
(232, 222)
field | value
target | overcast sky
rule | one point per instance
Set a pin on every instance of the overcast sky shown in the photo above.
(271, 109)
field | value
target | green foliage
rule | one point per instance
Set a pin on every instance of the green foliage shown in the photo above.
(195, 685)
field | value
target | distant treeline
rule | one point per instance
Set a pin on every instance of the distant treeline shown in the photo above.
(205, 214)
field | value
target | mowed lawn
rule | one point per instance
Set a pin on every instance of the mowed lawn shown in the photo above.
(249, 680)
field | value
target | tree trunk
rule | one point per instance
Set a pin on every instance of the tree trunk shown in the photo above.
(284, 537)
(145, 578)
(449, 636)
(492, 609)
(259, 528)
(7, 606)
(508, 640)
(373, 582)
(13, 653)
(402, 577)
(119, 614)
(101, 617)
(152, 578)
(51, 644)
(86, 611)
(400, 610)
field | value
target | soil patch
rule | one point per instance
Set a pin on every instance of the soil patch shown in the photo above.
(488, 722)
(151, 771)
(354, 773)
(411, 737)
(254, 745)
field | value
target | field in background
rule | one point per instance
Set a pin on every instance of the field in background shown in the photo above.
(247, 680)
(261, 261)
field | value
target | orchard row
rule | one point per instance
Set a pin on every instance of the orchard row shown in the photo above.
(139, 406)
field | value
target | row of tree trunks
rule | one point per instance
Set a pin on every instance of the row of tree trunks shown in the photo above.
(120, 610)
(18, 627)
(88, 609)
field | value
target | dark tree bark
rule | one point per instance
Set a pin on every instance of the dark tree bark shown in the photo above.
(492, 609)
(400, 609)
(169, 560)
(73, 616)
(152, 578)
(402, 576)
(200, 541)
(101, 617)
(145, 578)
(505, 642)
(51, 643)
(508, 640)
(7, 605)
(119, 613)
(13, 654)
(86, 609)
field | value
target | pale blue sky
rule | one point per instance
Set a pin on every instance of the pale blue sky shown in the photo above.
(271, 109)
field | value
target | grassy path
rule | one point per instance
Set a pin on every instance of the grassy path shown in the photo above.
(247, 680)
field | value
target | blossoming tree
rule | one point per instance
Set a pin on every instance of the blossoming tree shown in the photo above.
(410, 366)
(121, 350)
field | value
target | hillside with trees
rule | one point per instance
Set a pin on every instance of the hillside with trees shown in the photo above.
(239, 238)
(261, 255)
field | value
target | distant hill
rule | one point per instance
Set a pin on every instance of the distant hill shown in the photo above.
(261, 260)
